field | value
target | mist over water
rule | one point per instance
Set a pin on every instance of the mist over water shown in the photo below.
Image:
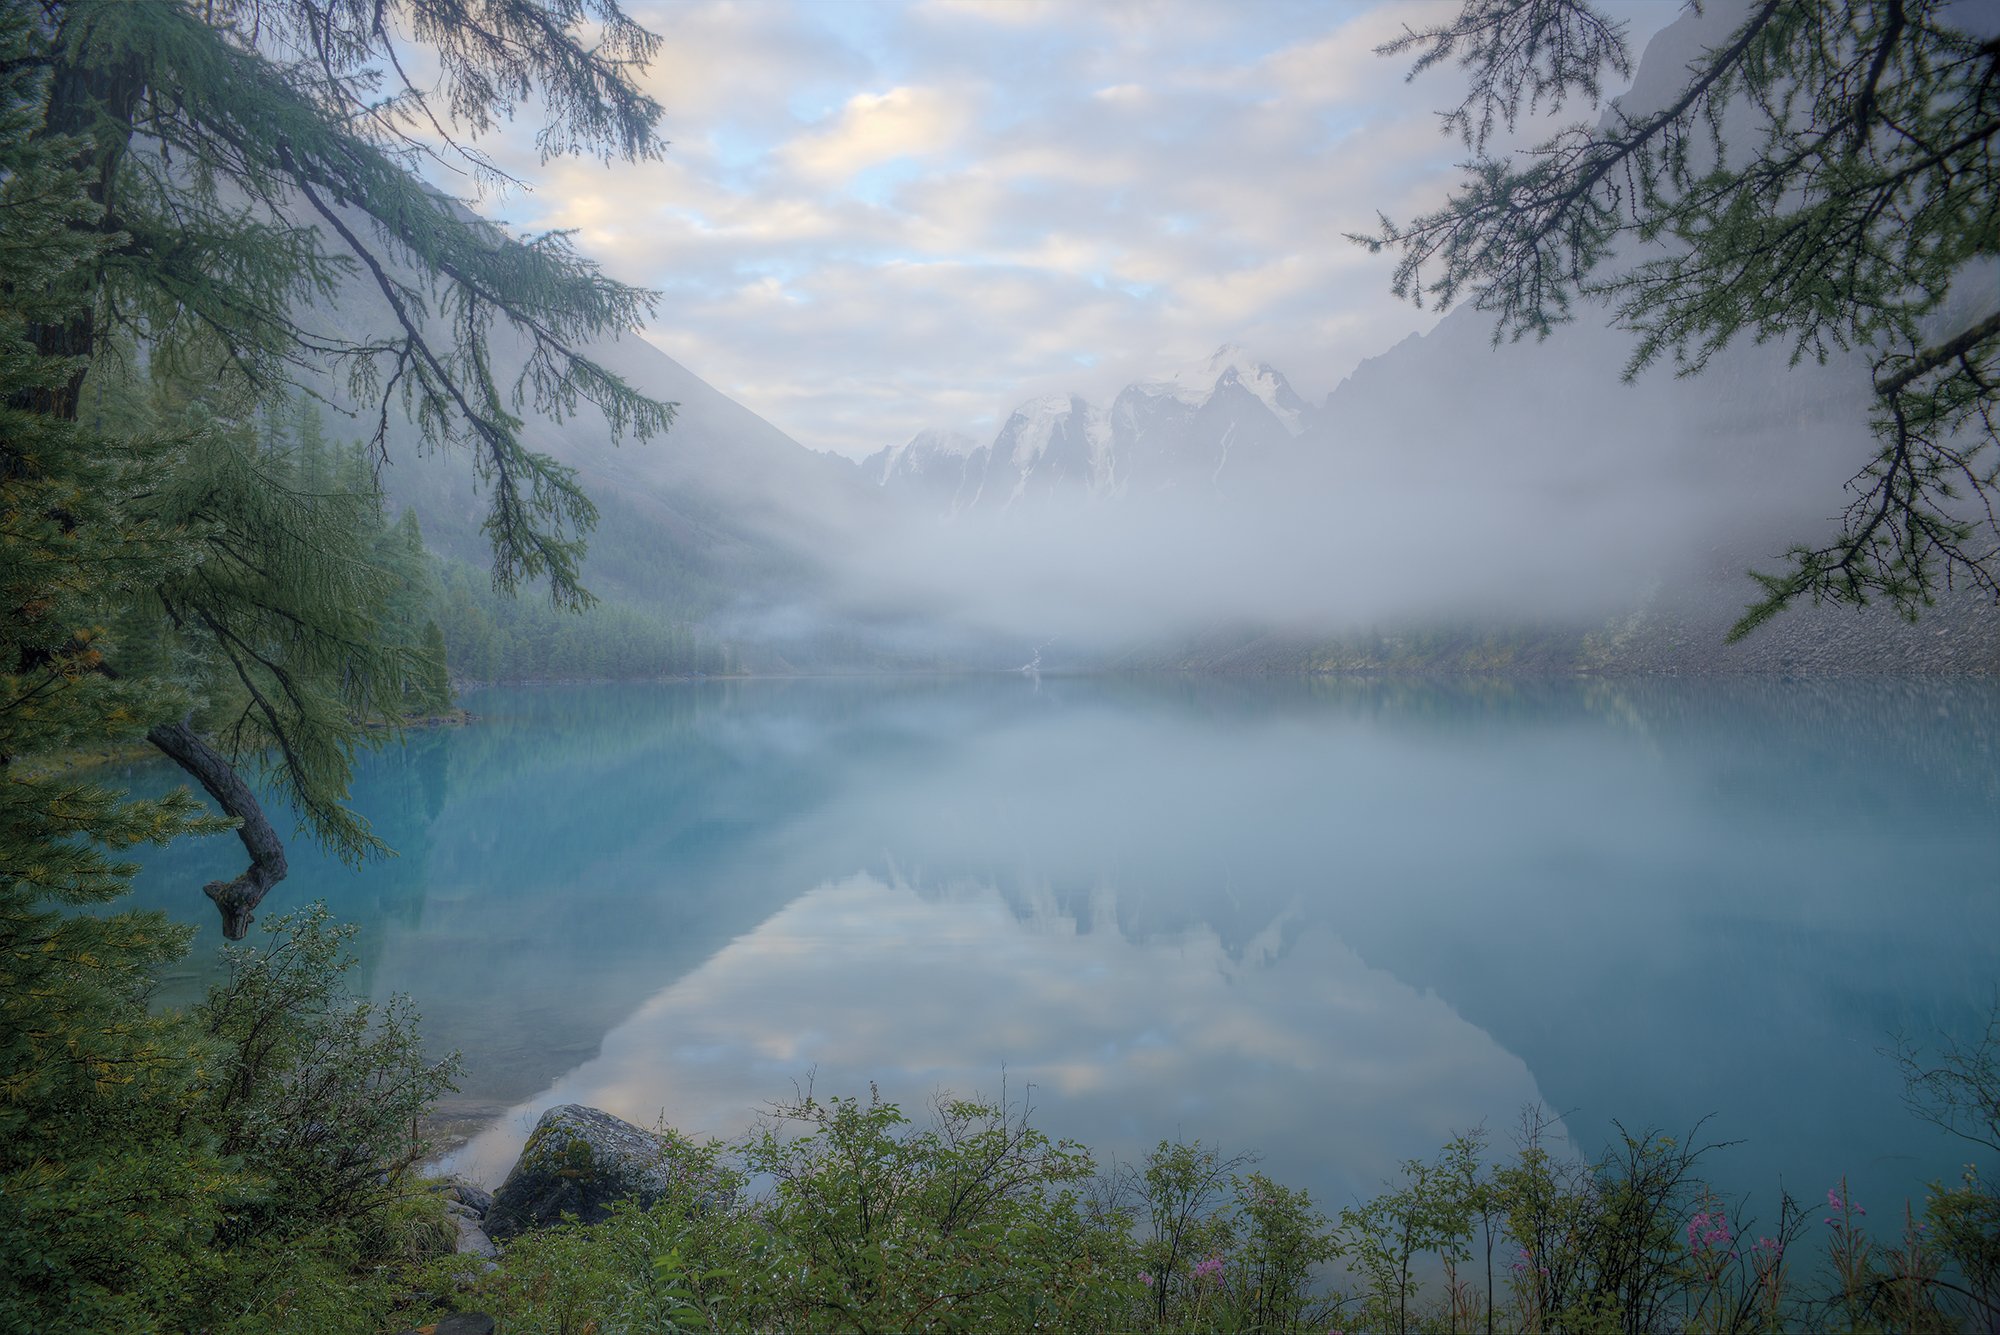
(1328, 921)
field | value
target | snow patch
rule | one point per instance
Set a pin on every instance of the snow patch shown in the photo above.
(918, 454)
(1196, 383)
(1031, 428)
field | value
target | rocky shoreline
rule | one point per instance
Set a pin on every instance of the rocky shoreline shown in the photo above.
(578, 1162)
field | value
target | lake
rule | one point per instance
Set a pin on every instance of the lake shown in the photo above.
(1326, 921)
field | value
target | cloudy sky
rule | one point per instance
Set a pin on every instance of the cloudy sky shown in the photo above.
(877, 217)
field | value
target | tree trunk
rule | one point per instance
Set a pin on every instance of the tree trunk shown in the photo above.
(94, 104)
(97, 103)
(234, 898)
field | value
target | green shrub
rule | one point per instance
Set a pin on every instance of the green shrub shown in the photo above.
(974, 1221)
(241, 1166)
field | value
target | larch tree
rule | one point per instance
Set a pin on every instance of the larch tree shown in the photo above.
(1827, 175)
(241, 163)
(72, 985)
(67, 548)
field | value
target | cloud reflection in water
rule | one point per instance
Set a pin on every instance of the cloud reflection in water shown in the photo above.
(1291, 1047)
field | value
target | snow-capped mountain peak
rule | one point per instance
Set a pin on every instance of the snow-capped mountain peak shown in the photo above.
(1197, 382)
(930, 454)
(937, 440)
(1034, 424)
(1054, 439)
(1203, 425)
(929, 444)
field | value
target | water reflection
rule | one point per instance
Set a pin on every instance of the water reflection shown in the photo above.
(1328, 920)
(1290, 1046)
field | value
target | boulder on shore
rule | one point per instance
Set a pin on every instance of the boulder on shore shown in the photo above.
(467, 1193)
(579, 1161)
(458, 1323)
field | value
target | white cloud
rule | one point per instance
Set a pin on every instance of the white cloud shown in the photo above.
(1340, 65)
(873, 128)
(1011, 12)
(961, 204)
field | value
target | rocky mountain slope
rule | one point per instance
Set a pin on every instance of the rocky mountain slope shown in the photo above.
(1200, 427)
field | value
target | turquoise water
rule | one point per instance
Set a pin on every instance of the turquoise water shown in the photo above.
(1328, 922)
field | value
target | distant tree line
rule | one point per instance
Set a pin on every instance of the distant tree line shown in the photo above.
(294, 452)
(439, 618)
(444, 615)
(493, 637)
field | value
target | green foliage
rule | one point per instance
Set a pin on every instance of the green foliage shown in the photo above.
(431, 692)
(976, 1221)
(282, 611)
(1964, 1226)
(82, 1063)
(322, 1090)
(864, 1222)
(411, 618)
(190, 190)
(869, 1224)
(243, 1166)
(1183, 1188)
(289, 614)
(1823, 176)
(1228, 1249)
(1283, 1244)
(1603, 1241)
(190, 120)
(1635, 1242)
(973, 1221)
(140, 1186)
(490, 637)
(1429, 1214)
(679, 1265)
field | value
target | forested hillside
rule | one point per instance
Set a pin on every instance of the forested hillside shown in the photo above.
(441, 612)
(491, 637)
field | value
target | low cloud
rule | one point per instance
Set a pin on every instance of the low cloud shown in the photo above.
(1449, 483)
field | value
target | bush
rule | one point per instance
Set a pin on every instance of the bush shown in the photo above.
(974, 1221)
(979, 1221)
(241, 1166)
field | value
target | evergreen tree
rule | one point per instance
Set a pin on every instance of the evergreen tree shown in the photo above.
(170, 119)
(273, 432)
(68, 548)
(493, 638)
(1853, 207)
(434, 690)
(312, 471)
(65, 544)
(134, 1146)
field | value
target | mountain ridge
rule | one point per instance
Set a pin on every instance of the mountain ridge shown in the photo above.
(1178, 429)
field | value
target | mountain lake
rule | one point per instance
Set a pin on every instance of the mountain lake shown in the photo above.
(1329, 922)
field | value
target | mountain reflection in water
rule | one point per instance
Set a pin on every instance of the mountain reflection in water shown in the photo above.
(1327, 921)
